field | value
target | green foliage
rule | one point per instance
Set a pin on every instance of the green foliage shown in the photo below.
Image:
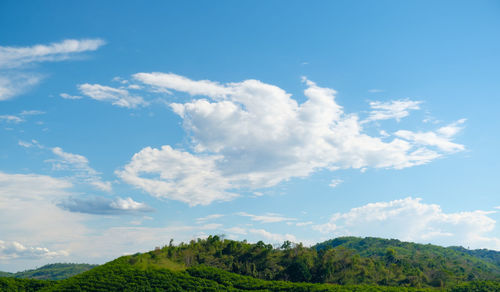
(344, 261)
(5, 274)
(14, 284)
(419, 264)
(342, 264)
(51, 272)
(477, 286)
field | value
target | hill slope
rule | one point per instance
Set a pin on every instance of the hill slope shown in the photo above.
(344, 261)
(51, 271)
(455, 264)
(342, 264)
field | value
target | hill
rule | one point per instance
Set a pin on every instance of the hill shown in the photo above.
(341, 264)
(344, 261)
(51, 271)
(453, 264)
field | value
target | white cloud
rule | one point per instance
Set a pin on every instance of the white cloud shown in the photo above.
(253, 135)
(180, 176)
(411, 220)
(15, 80)
(32, 143)
(68, 96)
(31, 113)
(21, 186)
(11, 119)
(394, 109)
(300, 224)
(80, 165)
(267, 218)
(104, 206)
(236, 230)
(273, 237)
(117, 96)
(451, 129)
(181, 83)
(16, 83)
(335, 182)
(26, 207)
(375, 90)
(14, 249)
(209, 217)
(12, 57)
(21, 117)
(440, 139)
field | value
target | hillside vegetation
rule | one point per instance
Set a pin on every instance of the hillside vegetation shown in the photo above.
(51, 272)
(342, 264)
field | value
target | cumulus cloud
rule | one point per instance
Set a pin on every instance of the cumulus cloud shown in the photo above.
(117, 96)
(251, 135)
(178, 176)
(80, 166)
(14, 249)
(104, 206)
(267, 218)
(394, 109)
(16, 80)
(411, 220)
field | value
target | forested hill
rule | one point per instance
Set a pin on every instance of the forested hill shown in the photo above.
(473, 264)
(51, 272)
(342, 264)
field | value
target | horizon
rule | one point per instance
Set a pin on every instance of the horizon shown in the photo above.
(124, 125)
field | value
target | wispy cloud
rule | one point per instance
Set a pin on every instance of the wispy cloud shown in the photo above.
(13, 57)
(78, 164)
(335, 182)
(15, 78)
(21, 117)
(116, 96)
(440, 138)
(68, 96)
(267, 218)
(208, 218)
(32, 143)
(394, 109)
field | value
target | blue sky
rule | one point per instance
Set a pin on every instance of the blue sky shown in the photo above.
(124, 124)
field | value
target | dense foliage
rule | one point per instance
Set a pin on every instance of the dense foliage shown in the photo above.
(433, 264)
(51, 272)
(344, 261)
(342, 264)
(8, 284)
(119, 275)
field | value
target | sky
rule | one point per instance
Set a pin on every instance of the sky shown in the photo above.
(124, 124)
